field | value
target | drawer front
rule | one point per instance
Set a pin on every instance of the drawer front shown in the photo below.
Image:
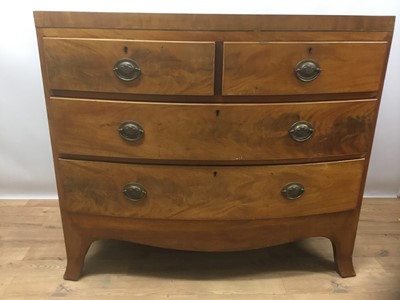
(269, 68)
(178, 68)
(212, 132)
(209, 193)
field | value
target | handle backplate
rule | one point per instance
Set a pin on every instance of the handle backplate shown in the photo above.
(127, 69)
(307, 70)
(301, 131)
(293, 190)
(131, 131)
(134, 192)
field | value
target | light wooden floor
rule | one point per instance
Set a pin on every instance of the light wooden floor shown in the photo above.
(32, 262)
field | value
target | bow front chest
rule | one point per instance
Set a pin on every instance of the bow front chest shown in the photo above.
(211, 132)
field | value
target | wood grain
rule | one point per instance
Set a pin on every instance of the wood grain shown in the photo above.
(209, 193)
(217, 35)
(191, 22)
(268, 68)
(167, 67)
(121, 270)
(218, 235)
(213, 132)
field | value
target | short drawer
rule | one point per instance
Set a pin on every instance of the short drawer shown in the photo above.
(212, 132)
(271, 68)
(126, 66)
(209, 193)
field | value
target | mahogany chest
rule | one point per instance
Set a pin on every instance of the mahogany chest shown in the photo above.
(211, 132)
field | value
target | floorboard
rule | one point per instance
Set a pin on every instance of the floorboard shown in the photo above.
(32, 263)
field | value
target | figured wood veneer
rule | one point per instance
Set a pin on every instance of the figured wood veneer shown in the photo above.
(167, 67)
(209, 193)
(267, 68)
(213, 132)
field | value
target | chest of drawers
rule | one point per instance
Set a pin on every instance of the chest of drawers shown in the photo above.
(211, 132)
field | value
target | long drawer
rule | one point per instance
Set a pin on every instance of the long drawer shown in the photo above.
(209, 193)
(127, 66)
(212, 132)
(285, 68)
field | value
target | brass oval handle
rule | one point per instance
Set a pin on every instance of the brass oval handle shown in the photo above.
(131, 131)
(301, 131)
(292, 190)
(134, 192)
(307, 70)
(127, 69)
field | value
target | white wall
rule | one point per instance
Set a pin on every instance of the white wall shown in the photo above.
(26, 169)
